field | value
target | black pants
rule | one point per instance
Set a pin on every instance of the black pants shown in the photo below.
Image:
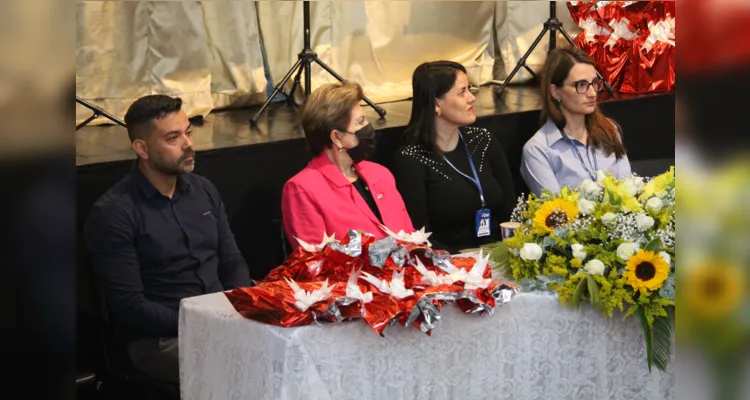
(157, 358)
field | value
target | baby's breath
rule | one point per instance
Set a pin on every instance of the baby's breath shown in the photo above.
(666, 235)
(583, 223)
(521, 207)
(624, 227)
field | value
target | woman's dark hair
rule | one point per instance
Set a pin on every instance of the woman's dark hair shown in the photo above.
(430, 81)
(603, 132)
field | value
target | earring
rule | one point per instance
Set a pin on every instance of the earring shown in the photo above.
(439, 113)
(558, 101)
(341, 148)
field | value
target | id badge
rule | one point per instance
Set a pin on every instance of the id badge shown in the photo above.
(483, 222)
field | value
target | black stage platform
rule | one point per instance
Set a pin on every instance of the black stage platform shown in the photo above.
(250, 165)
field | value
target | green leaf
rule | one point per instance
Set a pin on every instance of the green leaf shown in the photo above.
(557, 278)
(542, 278)
(499, 255)
(548, 242)
(658, 340)
(527, 285)
(575, 300)
(654, 245)
(562, 232)
(593, 291)
(614, 199)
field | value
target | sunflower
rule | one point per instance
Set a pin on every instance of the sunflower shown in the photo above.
(714, 289)
(646, 270)
(553, 214)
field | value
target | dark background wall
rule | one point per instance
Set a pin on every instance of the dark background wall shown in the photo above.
(250, 178)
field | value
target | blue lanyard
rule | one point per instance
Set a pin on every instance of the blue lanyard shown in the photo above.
(592, 175)
(475, 180)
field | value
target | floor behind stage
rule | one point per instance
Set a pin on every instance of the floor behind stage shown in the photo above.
(249, 165)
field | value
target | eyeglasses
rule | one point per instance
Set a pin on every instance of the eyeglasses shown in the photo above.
(583, 86)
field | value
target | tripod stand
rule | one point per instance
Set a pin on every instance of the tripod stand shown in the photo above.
(97, 112)
(553, 25)
(304, 61)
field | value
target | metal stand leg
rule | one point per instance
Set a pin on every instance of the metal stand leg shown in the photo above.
(304, 62)
(553, 25)
(98, 112)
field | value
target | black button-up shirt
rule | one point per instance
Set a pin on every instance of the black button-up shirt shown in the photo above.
(149, 251)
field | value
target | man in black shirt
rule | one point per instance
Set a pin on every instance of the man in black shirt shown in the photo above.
(160, 235)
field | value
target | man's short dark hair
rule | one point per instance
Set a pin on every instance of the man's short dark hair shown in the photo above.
(145, 110)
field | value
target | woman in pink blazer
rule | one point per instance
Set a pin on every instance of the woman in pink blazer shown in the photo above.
(339, 190)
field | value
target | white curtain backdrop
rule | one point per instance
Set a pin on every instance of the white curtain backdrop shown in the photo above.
(211, 54)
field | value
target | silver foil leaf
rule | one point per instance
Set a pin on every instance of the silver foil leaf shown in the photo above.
(353, 248)
(380, 250)
(479, 307)
(334, 311)
(503, 294)
(426, 309)
(399, 256)
(442, 261)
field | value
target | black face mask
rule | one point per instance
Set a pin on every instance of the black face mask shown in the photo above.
(366, 147)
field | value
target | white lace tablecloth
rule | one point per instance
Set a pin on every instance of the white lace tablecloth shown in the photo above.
(530, 348)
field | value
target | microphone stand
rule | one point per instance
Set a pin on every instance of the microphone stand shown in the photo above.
(97, 113)
(553, 25)
(304, 63)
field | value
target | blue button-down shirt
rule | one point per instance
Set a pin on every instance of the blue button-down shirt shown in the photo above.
(549, 161)
(149, 251)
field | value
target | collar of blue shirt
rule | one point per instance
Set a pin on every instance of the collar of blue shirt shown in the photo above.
(552, 133)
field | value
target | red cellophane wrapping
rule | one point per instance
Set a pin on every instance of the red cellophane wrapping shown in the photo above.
(623, 63)
(272, 301)
(579, 10)
(650, 71)
(483, 295)
(612, 61)
(380, 311)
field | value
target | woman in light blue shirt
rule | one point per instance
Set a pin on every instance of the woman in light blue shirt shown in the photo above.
(576, 139)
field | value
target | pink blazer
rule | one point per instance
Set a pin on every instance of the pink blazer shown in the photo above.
(320, 200)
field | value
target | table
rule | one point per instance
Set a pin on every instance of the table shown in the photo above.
(530, 348)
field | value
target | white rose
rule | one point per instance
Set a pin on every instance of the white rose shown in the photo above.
(666, 257)
(631, 187)
(655, 204)
(644, 222)
(638, 182)
(531, 252)
(586, 207)
(589, 186)
(608, 218)
(626, 250)
(577, 253)
(594, 267)
(600, 175)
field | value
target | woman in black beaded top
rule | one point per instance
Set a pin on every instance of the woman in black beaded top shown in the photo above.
(437, 169)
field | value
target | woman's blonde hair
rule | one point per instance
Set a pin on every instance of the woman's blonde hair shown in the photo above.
(327, 108)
